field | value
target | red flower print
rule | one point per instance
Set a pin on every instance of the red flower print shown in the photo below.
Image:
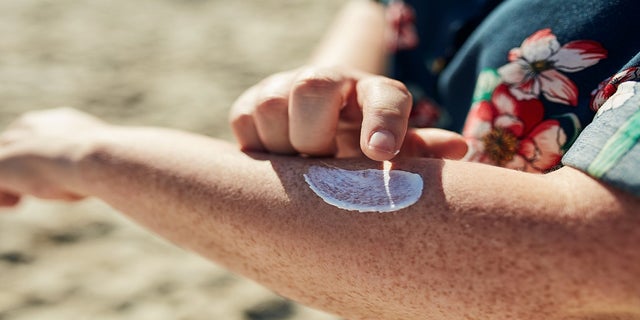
(535, 67)
(511, 133)
(610, 85)
(401, 33)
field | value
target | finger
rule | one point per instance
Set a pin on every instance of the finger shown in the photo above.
(434, 143)
(348, 143)
(317, 97)
(386, 105)
(10, 137)
(271, 114)
(8, 199)
(242, 121)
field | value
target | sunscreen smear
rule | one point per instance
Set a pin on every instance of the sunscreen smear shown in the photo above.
(369, 190)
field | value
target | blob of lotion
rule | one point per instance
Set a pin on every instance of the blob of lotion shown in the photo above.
(369, 190)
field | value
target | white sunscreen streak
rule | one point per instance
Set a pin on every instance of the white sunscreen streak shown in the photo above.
(386, 168)
(368, 190)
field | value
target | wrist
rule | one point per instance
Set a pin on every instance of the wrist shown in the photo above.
(89, 159)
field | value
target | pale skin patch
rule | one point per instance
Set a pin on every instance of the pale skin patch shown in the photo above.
(370, 190)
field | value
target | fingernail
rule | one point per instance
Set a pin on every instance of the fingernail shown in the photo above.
(383, 141)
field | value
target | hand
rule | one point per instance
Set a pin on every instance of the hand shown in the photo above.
(39, 154)
(335, 112)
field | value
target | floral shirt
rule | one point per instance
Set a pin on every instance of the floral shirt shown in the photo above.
(531, 84)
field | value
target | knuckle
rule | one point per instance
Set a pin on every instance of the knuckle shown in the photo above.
(392, 84)
(317, 80)
(270, 103)
(388, 97)
(397, 85)
(241, 121)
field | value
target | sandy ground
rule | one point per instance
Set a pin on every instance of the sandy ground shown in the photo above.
(173, 63)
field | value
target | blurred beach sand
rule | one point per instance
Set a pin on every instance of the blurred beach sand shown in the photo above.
(171, 63)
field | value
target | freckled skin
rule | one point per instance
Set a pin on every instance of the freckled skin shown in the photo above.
(482, 242)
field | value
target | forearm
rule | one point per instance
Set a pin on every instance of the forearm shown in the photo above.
(355, 39)
(485, 240)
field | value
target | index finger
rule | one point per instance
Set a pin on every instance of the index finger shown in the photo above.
(386, 105)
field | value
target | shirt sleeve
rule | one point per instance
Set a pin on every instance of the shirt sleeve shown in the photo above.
(608, 149)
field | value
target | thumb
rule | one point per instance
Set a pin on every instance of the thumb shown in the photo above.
(434, 143)
(386, 105)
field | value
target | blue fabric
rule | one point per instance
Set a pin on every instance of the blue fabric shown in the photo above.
(608, 22)
(605, 139)
(478, 76)
(438, 24)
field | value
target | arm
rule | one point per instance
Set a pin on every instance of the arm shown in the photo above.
(482, 242)
(355, 39)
